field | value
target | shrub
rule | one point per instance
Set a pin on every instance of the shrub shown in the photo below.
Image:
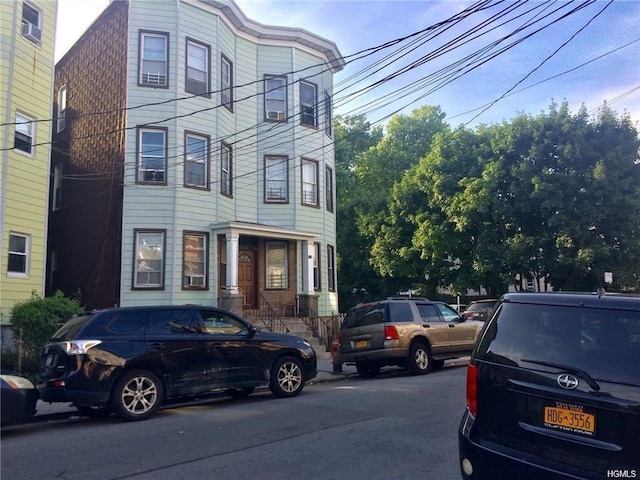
(36, 320)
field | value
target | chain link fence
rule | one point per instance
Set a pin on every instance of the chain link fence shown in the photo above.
(14, 358)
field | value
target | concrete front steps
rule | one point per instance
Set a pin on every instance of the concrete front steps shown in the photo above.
(297, 327)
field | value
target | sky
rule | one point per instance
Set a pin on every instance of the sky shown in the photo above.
(587, 58)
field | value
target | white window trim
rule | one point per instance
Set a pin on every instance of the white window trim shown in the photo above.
(226, 83)
(62, 109)
(56, 200)
(25, 126)
(161, 78)
(270, 161)
(306, 182)
(280, 114)
(137, 237)
(26, 254)
(203, 277)
(313, 106)
(31, 31)
(139, 170)
(207, 75)
(226, 170)
(202, 159)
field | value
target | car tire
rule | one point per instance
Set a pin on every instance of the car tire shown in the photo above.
(287, 377)
(437, 363)
(367, 370)
(137, 395)
(239, 392)
(95, 411)
(419, 361)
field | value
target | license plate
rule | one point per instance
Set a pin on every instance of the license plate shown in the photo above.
(570, 420)
(362, 344)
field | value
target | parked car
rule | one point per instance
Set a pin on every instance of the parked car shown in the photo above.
(18, 397)
(480, 309)
(553, 390)
(132, 360)
(410, 332)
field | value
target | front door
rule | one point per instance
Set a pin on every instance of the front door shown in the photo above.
(247, 277)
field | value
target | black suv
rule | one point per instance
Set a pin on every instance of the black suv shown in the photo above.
(131, 360)
(411, 332)
(553, 389)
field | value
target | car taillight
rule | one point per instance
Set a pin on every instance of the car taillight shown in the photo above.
(472, 389)
(80, 347)
(390, 333)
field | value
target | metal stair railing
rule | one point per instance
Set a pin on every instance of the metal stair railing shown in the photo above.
(269, 317)
(326, 331)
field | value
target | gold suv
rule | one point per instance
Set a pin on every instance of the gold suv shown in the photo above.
(410, 332)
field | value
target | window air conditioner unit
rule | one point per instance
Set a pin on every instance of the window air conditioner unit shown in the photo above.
(30, 31)
(195, 280)
(273, 115)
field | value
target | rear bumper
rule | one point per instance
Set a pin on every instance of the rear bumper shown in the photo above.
(386, 355)
(491, 461)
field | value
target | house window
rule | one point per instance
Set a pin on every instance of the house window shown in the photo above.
(328, 183)
(154, 58)
(277, 265)
(197, 77)
(196, 163)
(308, 101)
(275, 98)
(226, 170)
(62, 109)
(226, 85)
(316, 267)
(57, 187)
(149, 260)
(276, 180)
(18, 255)
(152, 156)
(331, 268)
(195, 260)
(309, 182)
(328, 114)
(24, 134)
(31, 23)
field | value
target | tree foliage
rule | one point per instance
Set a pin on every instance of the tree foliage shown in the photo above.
(555, 198)
(37, 319)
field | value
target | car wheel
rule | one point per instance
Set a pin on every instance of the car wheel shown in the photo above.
(287, 377)
(367, 370)
(239, 392)
(137, 395)
(419, 361)
(97, 411)
(437, 363)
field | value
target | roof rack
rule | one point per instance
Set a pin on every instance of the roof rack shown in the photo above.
(406, 297)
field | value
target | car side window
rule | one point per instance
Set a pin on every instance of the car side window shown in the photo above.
(400, 312)
(428, 313)
(448, 313)
(172, 321)
(220, 323)
(117, 322)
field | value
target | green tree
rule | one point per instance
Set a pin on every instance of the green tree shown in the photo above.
(36, 320)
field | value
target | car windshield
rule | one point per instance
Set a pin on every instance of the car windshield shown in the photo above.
(603, 342)
(476, 307)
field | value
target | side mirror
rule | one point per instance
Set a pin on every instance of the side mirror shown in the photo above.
(252, 331)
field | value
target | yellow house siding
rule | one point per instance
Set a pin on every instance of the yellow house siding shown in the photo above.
(26, 79)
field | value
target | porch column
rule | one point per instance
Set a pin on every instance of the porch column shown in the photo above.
(232, 263)
(232, 299)
(308, 300)
(308, 252)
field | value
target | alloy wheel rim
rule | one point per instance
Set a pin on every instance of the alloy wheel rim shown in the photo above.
(289, 377)
(139, 395)
(422, 360)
